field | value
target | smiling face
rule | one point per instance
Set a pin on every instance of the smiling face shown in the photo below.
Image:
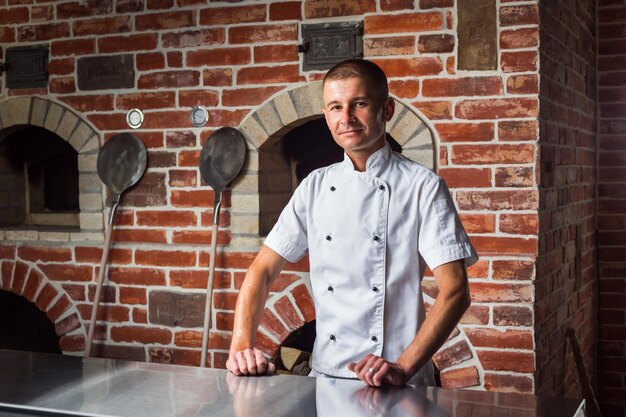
(356, 116)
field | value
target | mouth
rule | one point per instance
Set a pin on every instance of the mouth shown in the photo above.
(350, 132)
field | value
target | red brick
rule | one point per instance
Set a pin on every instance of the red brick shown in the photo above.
(183, 178)
(19, 277)
(431, 4)
(151, 100)
(519, 38)
(61, 66)
(175, 59)
(410, 67)
(165, 258)
(189, 159)
(247, 96)
(102, 26)
(74, 343)
(45, 297)
(89, 103)
(522, 84)
(33, 282)
(217, 77)
(197, 237)
(140, 315)
(395, 5)
(508, 383)
(476, 314)
(192, 198)
(127, 43)
(507, 361)
(465, 132)
(80, 9)
(406, 22)
(275, 53)
(214, 16)
(517, 130)
(131, 295)
(7, 251)
(519, 15)
(224, 321)
(512, 270)
(436, 43)
(466, 177)
(146, 335)
(389, 45)
(160, 4)
(7, 34)
(224, 300)
(166, 218)
(288, 313)
(188, 338)
(194, 38)
(314, 9)
(466, 86)
(221, 118)
(129, 6)
(304, 302)
(512, 316)
(269, 75)
(150, 61)
(199, 278)
(42, 13)
(43, 32)
(478, 223)
(404, 88)
(14, 15)
(460, 378)
(168, 20)
(65, 85)
(452, 355)
(219, 56)
(137, 276)
(282, 282)
(190, 98)
(493, 154)
(67, 272)
(435, 110)
(262, 33)
(519, 61)
(497, 108)
(67, 325)
(44, 254)
(273, 325)
(289, 10)
(522, 224)
(180, 139)
(169, 79)
(75, 291)
(140, 235)
(504, 245)
(482, 292)
(502, 339)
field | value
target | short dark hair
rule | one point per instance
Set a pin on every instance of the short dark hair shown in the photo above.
(360, 68)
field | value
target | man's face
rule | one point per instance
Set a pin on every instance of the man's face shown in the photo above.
(355, 116)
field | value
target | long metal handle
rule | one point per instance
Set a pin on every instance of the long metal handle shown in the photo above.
(209, 296)
(103, 262)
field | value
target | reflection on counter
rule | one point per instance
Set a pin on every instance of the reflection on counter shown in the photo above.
(95, 387)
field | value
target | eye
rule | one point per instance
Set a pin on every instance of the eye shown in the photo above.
(360, 104)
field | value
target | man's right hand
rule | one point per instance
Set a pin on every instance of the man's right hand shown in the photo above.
(249, 362)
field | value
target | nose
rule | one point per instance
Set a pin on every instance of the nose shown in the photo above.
(346, 116)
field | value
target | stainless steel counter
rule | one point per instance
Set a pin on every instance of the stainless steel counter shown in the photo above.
(35, 384)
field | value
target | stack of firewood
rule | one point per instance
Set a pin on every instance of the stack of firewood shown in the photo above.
(292, 361)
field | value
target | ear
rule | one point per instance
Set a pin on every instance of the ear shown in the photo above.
(390, 108)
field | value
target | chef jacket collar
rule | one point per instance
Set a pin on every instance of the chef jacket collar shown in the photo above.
(375, 163)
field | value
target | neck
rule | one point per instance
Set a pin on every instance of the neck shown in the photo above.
(359, 157)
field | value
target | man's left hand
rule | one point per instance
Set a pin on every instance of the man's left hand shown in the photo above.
(376, 371)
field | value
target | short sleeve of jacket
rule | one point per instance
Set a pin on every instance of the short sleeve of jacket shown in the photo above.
(288, 237)
(442, 238)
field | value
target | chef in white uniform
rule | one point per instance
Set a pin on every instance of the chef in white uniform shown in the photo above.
(370, 224)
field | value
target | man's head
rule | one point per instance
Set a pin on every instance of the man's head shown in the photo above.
(356, 107)
(363, 69)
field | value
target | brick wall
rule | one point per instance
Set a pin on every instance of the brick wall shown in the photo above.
(240, 59)
(566, 283)
(611, 207)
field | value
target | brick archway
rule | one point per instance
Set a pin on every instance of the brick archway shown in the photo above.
(29, 281)
(19, 112)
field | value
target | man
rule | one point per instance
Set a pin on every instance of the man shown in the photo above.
(370, 225)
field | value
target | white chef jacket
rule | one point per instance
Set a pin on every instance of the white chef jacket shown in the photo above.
(369, 236)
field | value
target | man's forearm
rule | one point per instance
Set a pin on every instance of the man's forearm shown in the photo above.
(450, 304)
